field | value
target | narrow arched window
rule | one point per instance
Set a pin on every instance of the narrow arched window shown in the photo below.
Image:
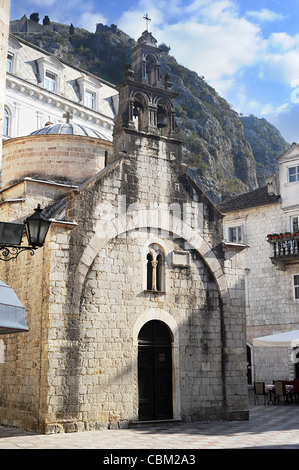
(155, 269)
(159, 272)
(149, 270)
(6, 123)
(151, 69)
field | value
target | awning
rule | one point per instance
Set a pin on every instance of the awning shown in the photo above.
(280, 340)
(12, 312)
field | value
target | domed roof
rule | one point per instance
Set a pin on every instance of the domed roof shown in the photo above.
(74, 129)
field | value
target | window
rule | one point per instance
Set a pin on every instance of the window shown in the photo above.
(296, 286)
(295, 224)
(155, 269)
(293, 174)
(88, 89)
(50, 81)
(9, 63)
(149, 270)
(6, 124)
(89, 99)
(50, 73)
(235, 234)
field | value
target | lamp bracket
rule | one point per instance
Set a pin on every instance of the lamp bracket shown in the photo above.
(10, 252)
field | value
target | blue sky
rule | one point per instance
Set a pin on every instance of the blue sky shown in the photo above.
(247, 50)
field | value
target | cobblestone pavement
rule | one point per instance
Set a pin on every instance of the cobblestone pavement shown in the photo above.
(269, 427)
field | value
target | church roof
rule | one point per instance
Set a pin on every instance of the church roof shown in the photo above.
(73, 129)
(257, 197)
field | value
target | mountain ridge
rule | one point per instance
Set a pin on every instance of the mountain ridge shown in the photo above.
(230, 154)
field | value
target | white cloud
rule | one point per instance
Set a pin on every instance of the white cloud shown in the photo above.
(273, 110)
(218, 51)
(265, 15)
(89, 21)
(207, 36)
(283, 41)
(282, 68)
(37, 3)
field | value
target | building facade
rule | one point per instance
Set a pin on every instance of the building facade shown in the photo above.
(135, 312)
(4, 24)
(42, 90)
(264, 223)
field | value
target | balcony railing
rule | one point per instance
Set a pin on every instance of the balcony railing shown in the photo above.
(285, 246)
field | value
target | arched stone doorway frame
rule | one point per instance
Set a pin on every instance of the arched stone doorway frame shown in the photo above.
(161, 315)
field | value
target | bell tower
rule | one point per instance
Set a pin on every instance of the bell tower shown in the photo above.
(146, 101)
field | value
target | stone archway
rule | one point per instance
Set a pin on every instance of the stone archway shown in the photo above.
(161, 315)
(140, 219)
(155, 372)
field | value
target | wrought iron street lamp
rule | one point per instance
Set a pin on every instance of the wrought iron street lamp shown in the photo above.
(36, 227)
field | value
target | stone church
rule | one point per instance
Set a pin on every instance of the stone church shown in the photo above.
(135, 308)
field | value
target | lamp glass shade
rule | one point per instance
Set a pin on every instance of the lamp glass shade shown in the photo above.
(37, 226)
(11, 233)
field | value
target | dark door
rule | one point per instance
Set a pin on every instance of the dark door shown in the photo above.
(249, 369)
(155, 371)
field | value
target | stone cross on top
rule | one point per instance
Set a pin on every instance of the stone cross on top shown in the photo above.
(147, 19)
(68, 117)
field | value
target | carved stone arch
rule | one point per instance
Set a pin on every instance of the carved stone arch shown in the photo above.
(152, 68)
(165, 317)
(140, 112)
(163, 116)
(155, 219)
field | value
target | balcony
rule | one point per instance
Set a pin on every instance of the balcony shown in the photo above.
(285, 248)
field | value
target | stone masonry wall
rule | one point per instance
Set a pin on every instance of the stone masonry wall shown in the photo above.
(60, 157)
(23, 364)
(98, 349)
(76, 368)
(270, 307)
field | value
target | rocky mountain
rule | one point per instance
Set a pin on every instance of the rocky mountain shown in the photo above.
(266, 143)
(229, 154)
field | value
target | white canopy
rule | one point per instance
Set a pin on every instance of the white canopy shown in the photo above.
(280, 340)
(12, 312)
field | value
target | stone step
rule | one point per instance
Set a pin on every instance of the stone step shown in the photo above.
(155, 422)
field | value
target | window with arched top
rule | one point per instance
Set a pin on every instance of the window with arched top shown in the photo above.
(140, 112)
(155, 269)
(151, 69)
(6, 123)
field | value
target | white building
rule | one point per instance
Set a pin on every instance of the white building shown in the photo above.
(271, 263)
(42, 90)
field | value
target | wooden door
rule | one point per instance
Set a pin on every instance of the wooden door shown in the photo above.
(155, 371)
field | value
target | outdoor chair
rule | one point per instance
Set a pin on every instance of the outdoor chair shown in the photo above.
(259, 390)
(295, 382)
(280, 391)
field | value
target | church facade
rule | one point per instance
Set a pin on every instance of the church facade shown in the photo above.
(135, 309)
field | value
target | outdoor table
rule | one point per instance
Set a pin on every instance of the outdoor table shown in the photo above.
(270, 388)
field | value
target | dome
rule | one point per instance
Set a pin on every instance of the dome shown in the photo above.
(74, 129)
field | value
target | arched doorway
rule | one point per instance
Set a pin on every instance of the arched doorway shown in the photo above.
(155, 371)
